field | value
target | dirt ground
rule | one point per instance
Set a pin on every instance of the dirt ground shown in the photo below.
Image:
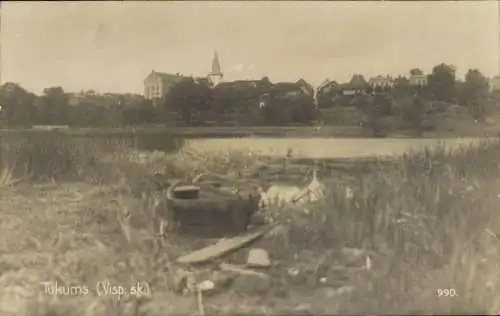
(68, 233)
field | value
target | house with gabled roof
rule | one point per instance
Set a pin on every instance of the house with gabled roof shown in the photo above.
(328, 86)
(240, 95)
(306, 87)
(357, 85)
(327, 93)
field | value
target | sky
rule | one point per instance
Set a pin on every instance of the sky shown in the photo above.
(113, 46)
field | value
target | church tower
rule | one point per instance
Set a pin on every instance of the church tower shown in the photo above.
(215, 75)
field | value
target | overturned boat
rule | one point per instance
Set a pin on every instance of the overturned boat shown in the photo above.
(212, 208)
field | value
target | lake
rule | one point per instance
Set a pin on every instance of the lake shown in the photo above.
(318, 148)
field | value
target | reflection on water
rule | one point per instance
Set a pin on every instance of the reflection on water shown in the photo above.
(327, 147)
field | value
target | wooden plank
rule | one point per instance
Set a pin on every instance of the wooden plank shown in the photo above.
(241, 270)
(223, 247)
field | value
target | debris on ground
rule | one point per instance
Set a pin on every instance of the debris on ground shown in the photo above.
(241, 270)
(205, 286)
(222, 247)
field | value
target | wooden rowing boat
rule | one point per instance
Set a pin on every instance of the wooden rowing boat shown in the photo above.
(211, 208)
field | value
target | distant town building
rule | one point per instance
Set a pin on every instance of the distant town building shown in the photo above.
(215, 76)
(306, 87)
(357, 85)
(158, 84)
(381, 82)
(494, 83)
(418, 80)
(328, 86)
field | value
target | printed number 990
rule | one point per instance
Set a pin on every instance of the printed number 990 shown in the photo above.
(446, 292)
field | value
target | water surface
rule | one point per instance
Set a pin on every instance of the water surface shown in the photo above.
(318, 148)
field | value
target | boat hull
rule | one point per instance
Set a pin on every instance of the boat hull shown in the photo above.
(215, 211)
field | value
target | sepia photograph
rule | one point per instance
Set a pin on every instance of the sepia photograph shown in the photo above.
(249, 158)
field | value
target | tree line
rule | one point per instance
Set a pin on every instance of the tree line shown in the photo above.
(255, 102)
(189, 102)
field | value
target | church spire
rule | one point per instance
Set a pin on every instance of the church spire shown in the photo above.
(216, 65)
(216, 74)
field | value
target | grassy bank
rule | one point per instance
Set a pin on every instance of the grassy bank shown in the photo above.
(443, 130)
(428, 224)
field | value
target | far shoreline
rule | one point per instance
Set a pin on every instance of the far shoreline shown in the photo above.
(354, 132)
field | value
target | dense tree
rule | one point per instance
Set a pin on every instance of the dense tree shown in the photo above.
(329, 95)
(87, 114)
(412, 113)
(442, 83)
(475, 92)
(416, 72)
(52, 107)
(138, 112)
(287, 104)
(239, 98)
(191, 101)
(17, 105)
(401, 86)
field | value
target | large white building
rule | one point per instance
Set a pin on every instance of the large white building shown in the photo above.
(381, 82)
(418, 80)
(158, 84)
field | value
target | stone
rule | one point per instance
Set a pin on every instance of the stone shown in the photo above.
(206, 285)
(258, 258)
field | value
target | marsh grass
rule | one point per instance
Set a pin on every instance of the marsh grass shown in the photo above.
(429, 223)
(434, 214)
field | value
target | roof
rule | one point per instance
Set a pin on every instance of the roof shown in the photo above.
(357, 82)
(303, 82)
(306, 86)
(170, 77)
(287, 86)
(166, 77)
(242, 88)
(326, 83)
(239, 84)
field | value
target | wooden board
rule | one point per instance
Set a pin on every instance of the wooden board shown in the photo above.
(222, 247)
